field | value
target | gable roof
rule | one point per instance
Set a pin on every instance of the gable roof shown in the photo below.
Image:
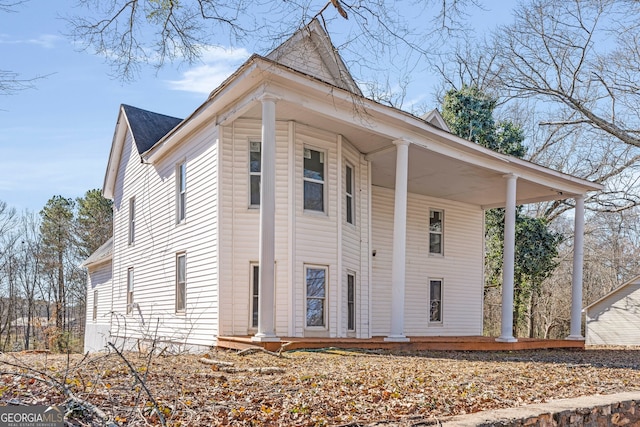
(435, 118)
(633, 281)
(148, 127)
(311, 52)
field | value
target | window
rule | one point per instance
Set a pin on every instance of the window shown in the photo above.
(181, 283)
(95, 306)
(132, 220)
(316, 278)
(435, 231)
(255, 170)
(181, 186)
(351, 302)
(435, 300)
(313, 180)
(255, 275)
(350, 201)
(130, 290)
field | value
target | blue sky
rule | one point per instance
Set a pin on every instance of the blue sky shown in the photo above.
(55, 138)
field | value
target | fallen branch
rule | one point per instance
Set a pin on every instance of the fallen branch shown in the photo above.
(267, 370)
(252, 350)
(208, 361)
(139, 380)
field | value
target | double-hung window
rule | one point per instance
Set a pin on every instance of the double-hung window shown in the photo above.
(316, 296)
(181, 192)
(181, 283)
(314, 173)
(255, 299)
(130, 290)
(255, 170)
(95, 305)
(435, 300)
(132, 220)
(349, 194)
(436, 228)
(351, 302)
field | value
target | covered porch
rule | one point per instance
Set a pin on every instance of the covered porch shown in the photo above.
(473, 343)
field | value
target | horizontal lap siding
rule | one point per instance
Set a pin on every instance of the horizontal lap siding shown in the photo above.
(461, 267)
(614, 321)
(99, 279)
(241, 226)
(159, 238)
(316, 233)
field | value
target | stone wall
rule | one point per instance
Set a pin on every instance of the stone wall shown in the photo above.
(621, 409)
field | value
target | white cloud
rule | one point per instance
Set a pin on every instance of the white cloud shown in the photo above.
(47, 41)
(219, 63)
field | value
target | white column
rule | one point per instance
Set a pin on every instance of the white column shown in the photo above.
(266, 280)
(398, 262)
(508, 261)
(576, 282)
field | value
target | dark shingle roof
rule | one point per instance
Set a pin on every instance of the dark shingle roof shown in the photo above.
(148, 127)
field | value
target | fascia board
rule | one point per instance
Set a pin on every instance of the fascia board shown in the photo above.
(117, 145)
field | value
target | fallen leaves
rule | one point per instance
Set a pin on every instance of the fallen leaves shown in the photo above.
(316, 388)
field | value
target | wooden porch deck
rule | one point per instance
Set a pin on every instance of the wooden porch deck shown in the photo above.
(473, 343)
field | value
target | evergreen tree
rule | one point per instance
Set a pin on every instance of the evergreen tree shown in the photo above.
(94, 222)
(469, 114)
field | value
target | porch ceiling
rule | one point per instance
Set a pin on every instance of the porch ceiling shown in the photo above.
(454, 173)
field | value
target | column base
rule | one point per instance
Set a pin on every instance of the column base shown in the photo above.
(265, 338)
(396, 338)
(575, 338)
(506, 339)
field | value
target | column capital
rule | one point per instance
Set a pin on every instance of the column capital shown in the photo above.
(510, 176)
(268, 96)
(401, 141)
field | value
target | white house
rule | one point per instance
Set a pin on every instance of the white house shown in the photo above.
(289, 205)
(614, 319)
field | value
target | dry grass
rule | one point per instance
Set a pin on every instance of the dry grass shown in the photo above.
(314, 388)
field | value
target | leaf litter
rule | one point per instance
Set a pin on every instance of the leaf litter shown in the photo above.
(306, 388)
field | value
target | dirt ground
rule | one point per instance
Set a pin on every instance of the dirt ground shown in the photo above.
(305, 388)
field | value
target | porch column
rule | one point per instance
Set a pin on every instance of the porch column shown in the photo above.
(266, 280)
(576, 281)
(398, 262)
(508, 261)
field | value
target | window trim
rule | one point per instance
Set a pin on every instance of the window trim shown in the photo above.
(351, 315)
(181, 192)
(130, 291)
(323, 182)
(181, 309)
(350, 199)
(430, 302)
(132, 220)
(440, 233)
(325, 307)
(252, 174)
(254, 295)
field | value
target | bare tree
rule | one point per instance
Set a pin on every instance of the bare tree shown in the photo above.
(133, 33)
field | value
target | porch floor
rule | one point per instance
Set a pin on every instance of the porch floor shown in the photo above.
(471, 343)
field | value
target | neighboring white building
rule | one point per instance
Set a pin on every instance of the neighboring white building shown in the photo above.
(365, 220)
(614, 319)
(99, 292)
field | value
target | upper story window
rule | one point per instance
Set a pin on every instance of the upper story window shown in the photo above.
(132, 220)
(349, 194)
(314, 173)
(255, 170)
(436, 227)
(181, 283)
(181, 190)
